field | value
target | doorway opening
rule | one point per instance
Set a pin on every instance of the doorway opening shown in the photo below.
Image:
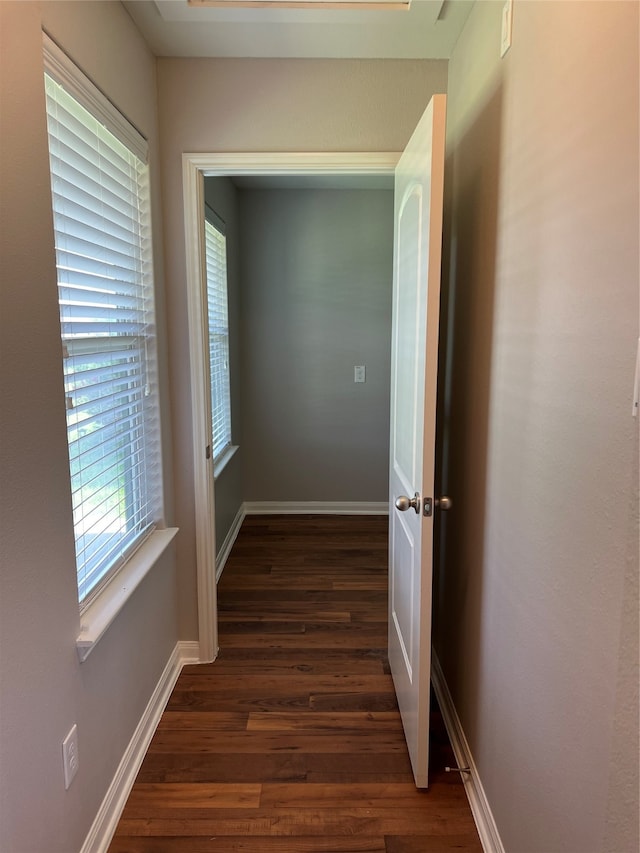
(195, 168)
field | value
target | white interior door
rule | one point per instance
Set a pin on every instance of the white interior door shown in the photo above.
(414, 363)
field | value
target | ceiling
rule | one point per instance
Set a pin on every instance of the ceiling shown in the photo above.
(429, 29)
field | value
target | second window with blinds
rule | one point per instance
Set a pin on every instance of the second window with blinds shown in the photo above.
(218, 339)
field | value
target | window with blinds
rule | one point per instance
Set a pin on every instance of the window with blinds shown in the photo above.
(99, 180)
(218, 325)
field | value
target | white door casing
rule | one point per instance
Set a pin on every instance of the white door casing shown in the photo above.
(419, 186)
(194, 168)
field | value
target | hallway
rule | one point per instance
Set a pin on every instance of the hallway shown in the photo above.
(291, 741)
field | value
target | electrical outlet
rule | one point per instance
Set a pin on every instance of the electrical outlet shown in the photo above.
(359, 372)
(70, 756)
(507, 22)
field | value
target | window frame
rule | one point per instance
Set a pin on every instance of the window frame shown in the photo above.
(101, 603)
(222, 455)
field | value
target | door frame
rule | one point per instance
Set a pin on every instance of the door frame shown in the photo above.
(195, 167)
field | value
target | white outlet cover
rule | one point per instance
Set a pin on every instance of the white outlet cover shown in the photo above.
(507, 21)
(70, 760)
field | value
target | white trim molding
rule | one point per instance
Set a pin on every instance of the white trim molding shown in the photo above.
(106, 821)
(223, 460)
(66, 72)
(480, 808)
(202, 466)
(316, 508)
(229, 539)
(98, 616)
(298, 163)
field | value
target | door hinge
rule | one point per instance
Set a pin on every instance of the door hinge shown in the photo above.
(207, 451)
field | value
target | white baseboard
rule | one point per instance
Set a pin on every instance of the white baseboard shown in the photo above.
(189, 654)
(230, 538)
(106, 821)
(480, 808)
(316, 508)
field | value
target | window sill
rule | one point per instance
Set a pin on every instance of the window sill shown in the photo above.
(220, 464)
(102, 611)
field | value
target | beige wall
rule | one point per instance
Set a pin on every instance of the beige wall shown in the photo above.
(263, 105)
(44, 689)
(536, 604)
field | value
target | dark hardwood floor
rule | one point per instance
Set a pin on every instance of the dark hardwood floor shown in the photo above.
(291, 742)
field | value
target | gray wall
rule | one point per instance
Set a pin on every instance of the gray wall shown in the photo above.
(262, 105)
(222, 196)
(536, 611)
(316, 269)
(44, 688)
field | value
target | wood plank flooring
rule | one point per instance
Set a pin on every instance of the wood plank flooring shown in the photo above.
(291, 741)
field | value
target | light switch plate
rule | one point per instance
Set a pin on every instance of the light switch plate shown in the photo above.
(359, 373)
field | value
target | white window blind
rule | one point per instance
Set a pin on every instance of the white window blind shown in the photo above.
(103, 254)
(218, 323)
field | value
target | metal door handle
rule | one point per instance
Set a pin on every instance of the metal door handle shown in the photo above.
(444, 502)
(403, 502)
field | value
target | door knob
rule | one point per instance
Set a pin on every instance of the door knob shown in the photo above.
(403, 502)
(443, 503)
